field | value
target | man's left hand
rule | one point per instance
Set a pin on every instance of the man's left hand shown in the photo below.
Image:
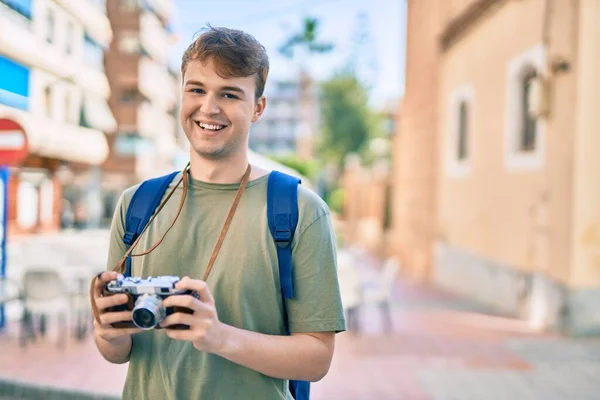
(205, 330)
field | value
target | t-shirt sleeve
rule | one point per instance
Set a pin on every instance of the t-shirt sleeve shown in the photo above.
(317, 305)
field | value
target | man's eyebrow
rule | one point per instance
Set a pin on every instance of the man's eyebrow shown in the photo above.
(233, 89)
(224, 88)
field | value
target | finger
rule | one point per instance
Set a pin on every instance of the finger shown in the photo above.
(199, 287)
(102, 280)
(179, 318)
(112, 317)
(185, 301)
(185, 334)
(111, 301)
(108, 333)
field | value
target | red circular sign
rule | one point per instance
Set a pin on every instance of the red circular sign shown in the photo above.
(13, 142)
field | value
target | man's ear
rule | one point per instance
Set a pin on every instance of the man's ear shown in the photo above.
(259, 108)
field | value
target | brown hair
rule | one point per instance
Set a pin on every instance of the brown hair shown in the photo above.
(234, 53)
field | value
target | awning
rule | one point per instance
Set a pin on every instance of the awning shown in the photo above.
(59, 140)
(97, 114)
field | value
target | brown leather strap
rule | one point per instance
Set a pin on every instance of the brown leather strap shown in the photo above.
(120, 267)
(236, 201)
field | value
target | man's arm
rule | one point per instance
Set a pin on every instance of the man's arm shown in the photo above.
(116, 351)
(302, 356)
(113, 343)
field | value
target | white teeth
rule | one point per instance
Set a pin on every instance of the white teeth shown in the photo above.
(211, 127)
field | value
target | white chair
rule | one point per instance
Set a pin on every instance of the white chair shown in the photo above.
(350, 288)
(10, 293)
(379, 293)
(45, 295)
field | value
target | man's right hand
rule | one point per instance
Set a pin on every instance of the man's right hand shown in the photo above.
(103, 329)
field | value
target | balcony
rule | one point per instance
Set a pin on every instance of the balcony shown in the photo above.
(157, 84)
(35, 52)
(92, 17)
(15, 25)
(154, 37)
(60, 141)
(153, 122)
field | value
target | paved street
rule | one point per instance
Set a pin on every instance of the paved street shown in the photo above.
(441, 348)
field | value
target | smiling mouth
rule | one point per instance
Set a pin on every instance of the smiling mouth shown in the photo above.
(209, 127)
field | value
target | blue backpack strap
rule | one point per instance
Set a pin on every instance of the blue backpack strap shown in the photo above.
(144, 202)
(282, 213)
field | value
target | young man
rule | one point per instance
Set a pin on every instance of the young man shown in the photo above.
(237, 345)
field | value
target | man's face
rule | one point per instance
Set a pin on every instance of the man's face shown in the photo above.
(216, 113)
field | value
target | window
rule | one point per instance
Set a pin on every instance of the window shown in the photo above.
(48, 101)
(69, 38)
(50, 22)
(463, 130)
(46, 195)
(93, 54)
(129, 43)
(131, 144)
(28, 205)
(524, 134)
(68, 113)
(460, 131)
(129, 5)
(528, 122)
(129, 95)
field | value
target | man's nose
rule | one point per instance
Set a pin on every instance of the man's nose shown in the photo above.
(210, 105)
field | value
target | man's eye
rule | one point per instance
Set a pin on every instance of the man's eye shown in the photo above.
(230, 96)
(197, 91)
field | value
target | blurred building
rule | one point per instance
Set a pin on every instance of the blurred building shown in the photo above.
(144, 94)
(290, 121)
(497, 187)
(54, 89)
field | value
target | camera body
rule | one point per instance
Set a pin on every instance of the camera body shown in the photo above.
(145, 300)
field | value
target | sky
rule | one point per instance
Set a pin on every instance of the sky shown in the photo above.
(272, 21)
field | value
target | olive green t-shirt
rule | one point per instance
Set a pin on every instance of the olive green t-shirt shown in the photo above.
(244, 282)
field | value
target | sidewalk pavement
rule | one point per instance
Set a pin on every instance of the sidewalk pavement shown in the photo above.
(442, 347)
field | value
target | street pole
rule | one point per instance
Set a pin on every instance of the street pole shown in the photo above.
(4, 174)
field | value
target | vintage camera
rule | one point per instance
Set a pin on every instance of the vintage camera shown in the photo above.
(146, 300)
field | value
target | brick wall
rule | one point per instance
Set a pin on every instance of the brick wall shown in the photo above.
(415, 145)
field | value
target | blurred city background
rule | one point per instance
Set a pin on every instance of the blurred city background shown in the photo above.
(455, 141)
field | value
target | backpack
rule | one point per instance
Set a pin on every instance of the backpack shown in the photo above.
(282, 215)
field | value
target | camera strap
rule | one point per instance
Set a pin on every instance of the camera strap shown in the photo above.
(120, 267)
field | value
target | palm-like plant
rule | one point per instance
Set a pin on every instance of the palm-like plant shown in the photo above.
(306, 39)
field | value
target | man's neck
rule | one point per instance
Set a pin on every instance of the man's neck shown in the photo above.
(218, 171)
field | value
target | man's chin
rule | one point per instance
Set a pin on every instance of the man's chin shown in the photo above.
(211, 153)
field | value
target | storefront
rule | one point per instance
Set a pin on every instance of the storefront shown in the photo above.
(35, 191)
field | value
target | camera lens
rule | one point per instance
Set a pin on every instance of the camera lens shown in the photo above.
(148, 311)
(144, 318)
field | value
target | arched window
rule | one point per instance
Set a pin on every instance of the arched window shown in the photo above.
(460, 124)
(524, 133)
(528, 122)
(463, 131)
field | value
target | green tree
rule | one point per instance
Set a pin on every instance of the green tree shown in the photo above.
(307, 168)
(346, 119)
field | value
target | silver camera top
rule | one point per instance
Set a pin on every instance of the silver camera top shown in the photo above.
(164, 285)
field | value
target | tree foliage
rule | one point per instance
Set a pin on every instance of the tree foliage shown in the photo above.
(346, 120)
(306, 39)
